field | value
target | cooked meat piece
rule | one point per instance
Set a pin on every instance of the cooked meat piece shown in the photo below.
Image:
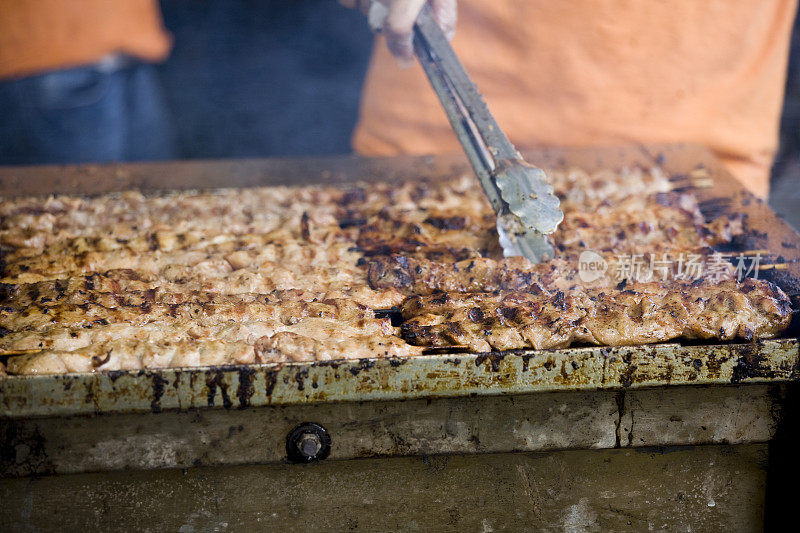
(216, 261)
(129, 286)
(421, 276)
(665, 223)
(77, 337)
(638, 314)
(321, 341)
(43, 294)
(439, 235)
(133, 355)
(169, 344)
(210, 241)
(290, 347)
(579, 190)
(90, 315)
(410, 199)
(34, 223)
(216, 276)
(74, 338)
(463, 196)
(488, 321)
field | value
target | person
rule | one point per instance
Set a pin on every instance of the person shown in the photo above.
(588, 73)
(77, 82)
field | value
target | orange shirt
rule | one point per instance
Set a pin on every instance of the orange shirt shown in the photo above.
(41, 35)
(600, 72)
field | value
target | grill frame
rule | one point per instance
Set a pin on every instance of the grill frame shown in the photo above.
(429, 376)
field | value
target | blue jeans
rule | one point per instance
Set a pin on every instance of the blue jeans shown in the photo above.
(112, 111)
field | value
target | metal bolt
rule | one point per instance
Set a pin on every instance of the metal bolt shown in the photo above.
(308, 442)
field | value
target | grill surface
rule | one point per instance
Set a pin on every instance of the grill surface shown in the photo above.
(437, 374)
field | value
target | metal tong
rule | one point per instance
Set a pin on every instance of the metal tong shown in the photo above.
(526, 207)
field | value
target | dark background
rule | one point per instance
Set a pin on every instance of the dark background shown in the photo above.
(785, 193)
(282, 78)
(264, 77)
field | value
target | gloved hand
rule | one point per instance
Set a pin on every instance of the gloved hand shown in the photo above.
(395, 19)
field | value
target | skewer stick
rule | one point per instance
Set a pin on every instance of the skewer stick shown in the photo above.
(18, 352)
(700, 173)
(774, 266)
(706, 183)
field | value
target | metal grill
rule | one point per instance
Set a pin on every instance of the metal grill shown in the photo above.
(440, 373)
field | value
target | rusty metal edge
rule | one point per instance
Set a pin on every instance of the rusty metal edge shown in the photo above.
(454, 375)
(199, 174)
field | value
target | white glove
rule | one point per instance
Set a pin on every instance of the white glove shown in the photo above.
(395, 19)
